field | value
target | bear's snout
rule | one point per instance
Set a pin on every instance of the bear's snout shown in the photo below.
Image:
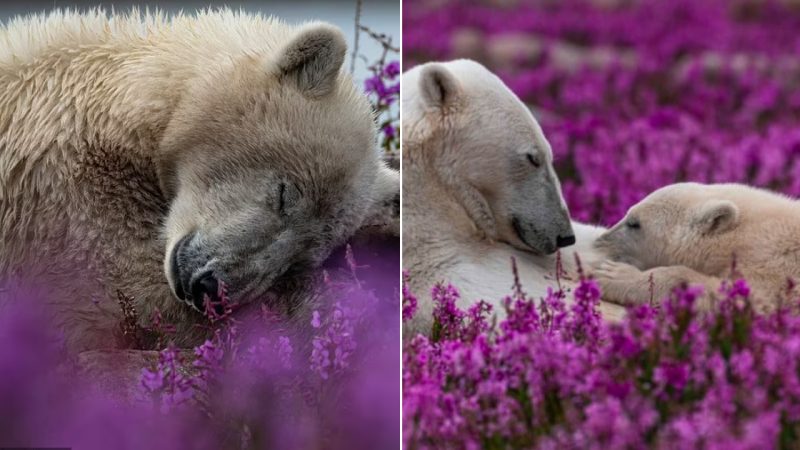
(534, 238)
(191, 283)
(202, 286)
(603, 242)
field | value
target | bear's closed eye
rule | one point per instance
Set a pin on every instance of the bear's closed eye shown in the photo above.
(281, 197)
(534, 160)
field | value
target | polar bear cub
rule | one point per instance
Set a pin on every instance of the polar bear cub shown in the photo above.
(479, 188)
(693, 233)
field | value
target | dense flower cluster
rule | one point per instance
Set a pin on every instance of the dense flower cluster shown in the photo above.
(168, 383)
(554, 375)
(303, 386)
(634, 95)
(260, 381)
(49, 405)
(335, 342)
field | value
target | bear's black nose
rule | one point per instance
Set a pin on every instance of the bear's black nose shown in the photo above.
(204, 285)
(565, 241)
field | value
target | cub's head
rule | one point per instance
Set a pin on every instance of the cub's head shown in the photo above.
(676, 225)
(489, 150)
(270, 163)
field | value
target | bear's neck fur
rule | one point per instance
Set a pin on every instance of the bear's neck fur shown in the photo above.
(438, 232)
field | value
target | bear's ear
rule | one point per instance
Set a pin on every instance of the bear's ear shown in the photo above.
(313, 59)
(717, 216)
(438, 86)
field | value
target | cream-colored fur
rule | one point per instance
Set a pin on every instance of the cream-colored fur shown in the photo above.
(692, 233)
(466, 138)
(120, 134)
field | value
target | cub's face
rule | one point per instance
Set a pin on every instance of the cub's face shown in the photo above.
(675, 225)
(271, 165)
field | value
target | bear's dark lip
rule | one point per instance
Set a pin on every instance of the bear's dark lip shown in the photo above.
(179, 290)
(518, 230)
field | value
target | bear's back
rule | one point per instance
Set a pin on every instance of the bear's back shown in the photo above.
(27, 39)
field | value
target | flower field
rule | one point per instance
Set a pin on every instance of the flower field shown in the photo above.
(632, 95)
(557, 376)
(260, 381)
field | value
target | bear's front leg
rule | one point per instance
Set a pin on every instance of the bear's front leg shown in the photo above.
(622, 283)
(666, 279)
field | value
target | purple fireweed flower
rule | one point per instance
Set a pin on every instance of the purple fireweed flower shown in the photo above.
(285, 351)
(209, 357)
(320, 358)
(334, 344)
(389, 131)
(152, 380)
(392, 70)
(585, 318)
(373, 84)
(168, 383)
(409, 300)
(447, 317)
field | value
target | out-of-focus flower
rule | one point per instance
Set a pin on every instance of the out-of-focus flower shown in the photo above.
(168, 383)
(409, 300)
(392, 70)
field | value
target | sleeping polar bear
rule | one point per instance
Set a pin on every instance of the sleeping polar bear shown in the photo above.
(478, 189)
(160, 158)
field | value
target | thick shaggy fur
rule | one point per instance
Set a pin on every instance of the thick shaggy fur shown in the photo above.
(119, 135)
(694, 233)
(467, 175)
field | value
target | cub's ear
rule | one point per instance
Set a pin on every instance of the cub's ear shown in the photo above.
(383, 216)
(313, 59)
(717, 216)
(438, 86)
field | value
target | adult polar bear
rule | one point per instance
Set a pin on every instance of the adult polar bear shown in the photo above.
(156, 157)
(478, 188)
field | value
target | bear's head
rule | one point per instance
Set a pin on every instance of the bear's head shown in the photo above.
(680, 224)
(487, 148)
(269, 162)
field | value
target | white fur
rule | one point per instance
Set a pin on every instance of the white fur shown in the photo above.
(108, 123)
(468, 139)
(692, 233)
(487, 273)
